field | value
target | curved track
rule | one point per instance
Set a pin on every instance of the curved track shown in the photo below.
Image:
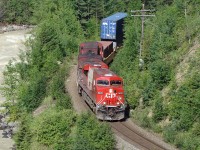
(126, 130)
(136, 138)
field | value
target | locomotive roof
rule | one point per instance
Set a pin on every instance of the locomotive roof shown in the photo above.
(91, 62)
(94, 63)
(89, 45)
(105, 73)
(89, 56)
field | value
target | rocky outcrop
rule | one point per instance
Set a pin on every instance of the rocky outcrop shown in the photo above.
(9, 28)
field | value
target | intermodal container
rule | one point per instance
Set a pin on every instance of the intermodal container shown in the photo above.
(112, 28)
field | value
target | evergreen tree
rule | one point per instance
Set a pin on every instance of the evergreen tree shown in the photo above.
(17, 11)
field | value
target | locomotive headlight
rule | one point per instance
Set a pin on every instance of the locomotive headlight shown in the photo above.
(104, 103)
(119, 98)
(117, 103)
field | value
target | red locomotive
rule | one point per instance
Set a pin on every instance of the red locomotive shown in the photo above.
(100, 88)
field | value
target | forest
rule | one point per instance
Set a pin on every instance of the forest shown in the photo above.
(163, 93)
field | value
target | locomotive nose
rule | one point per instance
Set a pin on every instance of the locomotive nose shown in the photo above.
(111, 112)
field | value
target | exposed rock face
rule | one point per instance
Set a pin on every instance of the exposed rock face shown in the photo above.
(9, 28)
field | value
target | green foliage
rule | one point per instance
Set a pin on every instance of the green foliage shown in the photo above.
(23, 136)
(160, 72)
(159, 111)
(53, 128)
(195, 129)
(17, 11)
(93, 135)
(58, 23)
(92, 31)
(169, 132)
(185, 103)
(57, 90)
(187, 141)
(141, 115)
(86, 9)
(31, 94)
(11, 80)
(149, 92)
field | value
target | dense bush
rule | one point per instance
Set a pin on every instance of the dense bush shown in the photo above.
(159, 110)
(53, 128)
(17, 11)
(185, 103)
(160, 72)
(57, 89)
(90, 134)
(31, 94)
(23, 136)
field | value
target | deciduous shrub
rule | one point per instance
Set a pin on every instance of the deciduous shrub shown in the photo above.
(90, 134)
(24, 135)
(53, 128)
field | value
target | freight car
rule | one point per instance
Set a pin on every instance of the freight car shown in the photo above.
(112, 28)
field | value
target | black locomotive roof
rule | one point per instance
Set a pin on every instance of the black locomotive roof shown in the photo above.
(90, 45)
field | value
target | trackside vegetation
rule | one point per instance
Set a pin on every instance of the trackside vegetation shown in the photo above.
(164, 92)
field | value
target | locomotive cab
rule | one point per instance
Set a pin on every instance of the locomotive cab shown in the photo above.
(83, 69)
(108, 93)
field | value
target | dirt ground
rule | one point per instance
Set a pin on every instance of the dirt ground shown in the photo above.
(10, 45)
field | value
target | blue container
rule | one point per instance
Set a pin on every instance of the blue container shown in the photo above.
(112, 28)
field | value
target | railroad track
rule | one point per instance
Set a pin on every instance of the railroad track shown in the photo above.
(134, 137)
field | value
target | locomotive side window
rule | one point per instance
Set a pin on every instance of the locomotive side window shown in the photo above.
(102, 82)
(115, 82)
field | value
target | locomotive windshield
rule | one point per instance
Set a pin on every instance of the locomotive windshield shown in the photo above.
(102, 82)
(106, 82)
(115, 82)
